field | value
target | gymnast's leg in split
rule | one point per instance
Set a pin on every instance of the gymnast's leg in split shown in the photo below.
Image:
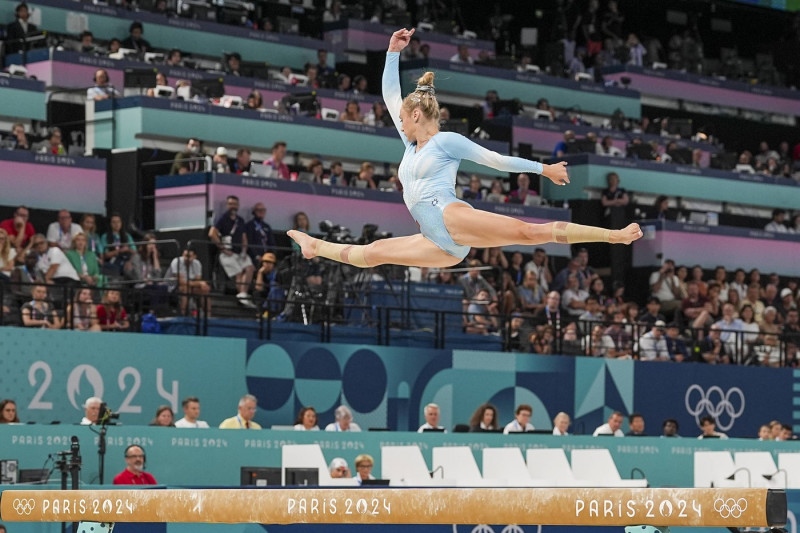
(467, 227)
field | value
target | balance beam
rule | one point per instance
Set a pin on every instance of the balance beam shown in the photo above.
(729, 507)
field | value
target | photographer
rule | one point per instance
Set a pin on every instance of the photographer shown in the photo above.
(665, 285)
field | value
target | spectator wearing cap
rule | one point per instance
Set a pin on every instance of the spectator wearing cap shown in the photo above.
(786, 303)
(266, 284)
(676, 345)
(135, 41)
(260, 237)
(653, 345)
(338, 468)
(220, 160)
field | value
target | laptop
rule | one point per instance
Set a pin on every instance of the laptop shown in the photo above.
(262, 171)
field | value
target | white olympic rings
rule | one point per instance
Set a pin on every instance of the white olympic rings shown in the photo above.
(730, 508)
(724, 405)
(23, 505)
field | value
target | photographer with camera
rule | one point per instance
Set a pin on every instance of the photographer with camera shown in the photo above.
(665, 286)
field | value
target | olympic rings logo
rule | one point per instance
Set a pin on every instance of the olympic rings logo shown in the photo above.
(23, 505)
(724, 404)
(730, 508)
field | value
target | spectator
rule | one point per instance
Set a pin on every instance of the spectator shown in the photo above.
(300, 223)
(531, 295)
(412, 51)
(676, 345)
(653, 345)
(786, 303)
(118, 248)
(778, 224)
(711, 349)
(244, 420)
(708, 425)
(91, 411)
(18, 31)
(344, 420)
(752, 299)
(364, 178)
(343, 83)
(560, 149)
(636, 425)
(462, 55)
(614, 200)
(324, 70)
(523, 191)
(351, 113)
(254, 100)
(522, 420)
(52, 264)
(83, 261)
(598, 344)
(228, 233)
(24, 275)
(19, 137)
(243, 164)
(669, 428)
(484, 418)
(338, 468)
(259, 233)
(219, 161)
(102, 90)
(89, 228)
(786, 432)
(619, 336)
(359, 85)
(191, 414)
(665, 285)
(7, 255)
(111, 314)
(336, 176)
(39, 313)
(8, 412)
(364, 463)
(333, 13)
(573, 300)
(306, 420)
(83, 311)
(561, 424)
(134, 473)
(135, 41)
(316, 170)
(473, 282)
(276, 161)
(190, 160)
(592, 312)
(496, 193)
(764, 433)
(164, 417)
(60, 233)
(174, 58)
(474, 191)
(539, 265)
(266, 284)
(431, 413)
(611, 427)
(481, 314)
(187, 275)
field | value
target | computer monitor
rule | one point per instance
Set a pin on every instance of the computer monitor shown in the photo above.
(581, 146)
(209, 88)
(302, 476)
(724, 160)
(433, 430)
(681, 156)
(375, 482)
(34, 475)
(260, 476)
(680, 126)
(300, 104)
(504, 108)
(641, 151)
(140, 78)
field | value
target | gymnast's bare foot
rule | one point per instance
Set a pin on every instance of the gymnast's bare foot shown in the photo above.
(626, 235)
(308, 244)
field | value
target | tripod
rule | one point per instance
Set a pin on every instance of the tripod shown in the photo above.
(69, 463)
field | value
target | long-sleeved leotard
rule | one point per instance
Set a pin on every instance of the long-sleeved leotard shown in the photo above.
(428, 176)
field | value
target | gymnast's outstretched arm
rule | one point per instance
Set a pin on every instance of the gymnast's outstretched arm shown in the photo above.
(392, 93)
(459, 147)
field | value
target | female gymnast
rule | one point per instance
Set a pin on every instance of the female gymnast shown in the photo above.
(449, 226)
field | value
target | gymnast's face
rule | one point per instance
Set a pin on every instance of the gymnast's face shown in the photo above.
(409, 123)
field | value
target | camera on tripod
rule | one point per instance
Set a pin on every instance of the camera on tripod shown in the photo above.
(106, 416)
(336, 233)
(369, 233)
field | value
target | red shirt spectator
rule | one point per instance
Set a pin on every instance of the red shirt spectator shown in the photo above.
(11, 224)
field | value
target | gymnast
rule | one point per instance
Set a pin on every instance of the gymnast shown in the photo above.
(448, 226)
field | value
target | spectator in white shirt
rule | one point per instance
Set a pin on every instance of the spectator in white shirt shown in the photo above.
(191, 413)
(612, 427)
(344, 420)
(432, 414)
(561, 424)
(522, 420)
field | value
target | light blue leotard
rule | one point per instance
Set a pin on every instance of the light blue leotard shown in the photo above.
(429, 176)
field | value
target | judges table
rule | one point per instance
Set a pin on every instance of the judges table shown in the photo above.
(543, 136)
(69, 69)
(706, 89)
(476, 80)
(709, 246)
(22, 98)
(182, 202)
(45, 181)
(107, 22)
(589, 172)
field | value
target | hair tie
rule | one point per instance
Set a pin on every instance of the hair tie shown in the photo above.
(426, 89)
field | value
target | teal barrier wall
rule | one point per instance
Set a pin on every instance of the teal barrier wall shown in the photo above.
(130, 118)
(674, 180)
(108, 22)
(22, 98)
